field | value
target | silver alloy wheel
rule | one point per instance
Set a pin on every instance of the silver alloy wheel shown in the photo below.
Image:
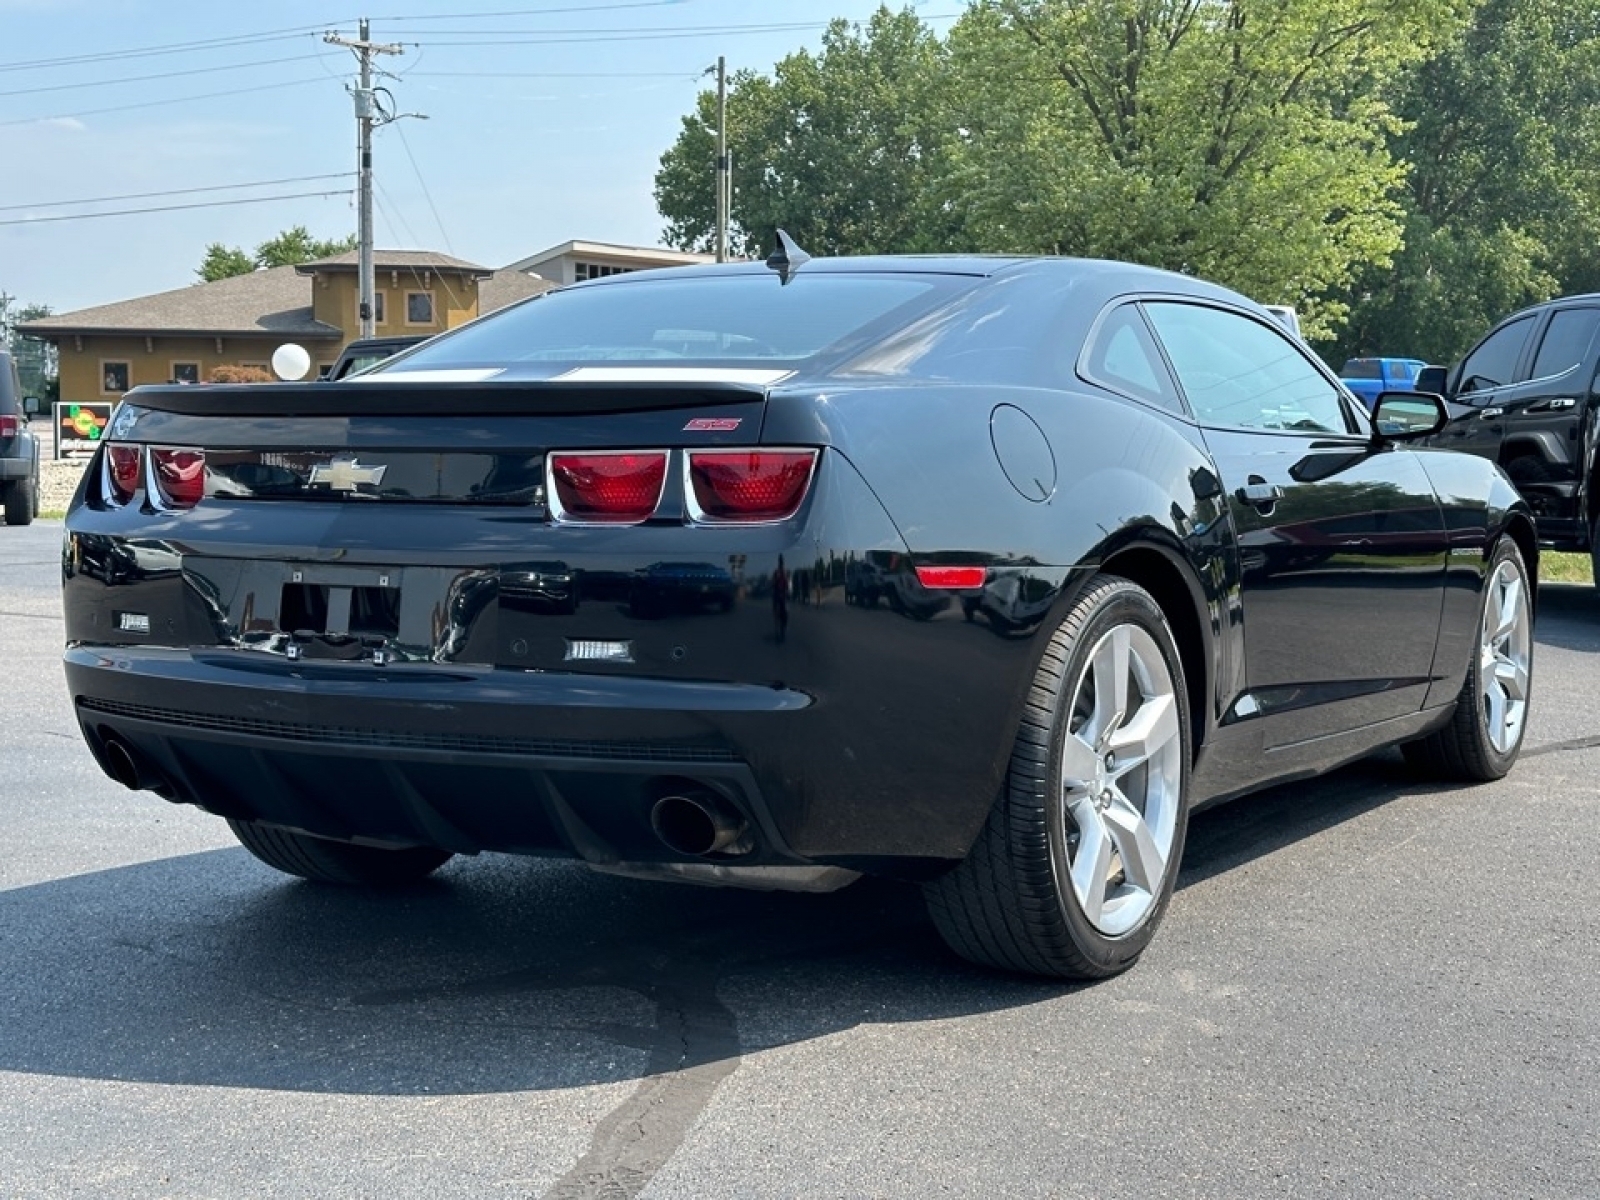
(1121, 780)
(1505, 651)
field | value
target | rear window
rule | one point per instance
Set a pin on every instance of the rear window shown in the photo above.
(712, 319)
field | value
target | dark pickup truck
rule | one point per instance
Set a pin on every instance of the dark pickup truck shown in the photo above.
(19, 449)
(1528, 396)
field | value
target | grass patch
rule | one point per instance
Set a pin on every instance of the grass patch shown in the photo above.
(1557, 566)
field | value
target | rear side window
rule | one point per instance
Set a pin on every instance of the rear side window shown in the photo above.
(1124, 357)
(1241, 373)
(1566, 341)
(1494, 362)
(1362, 368)
(715, 318)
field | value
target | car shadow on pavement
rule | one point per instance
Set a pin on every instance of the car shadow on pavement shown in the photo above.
(504, 974)
(1569, 616)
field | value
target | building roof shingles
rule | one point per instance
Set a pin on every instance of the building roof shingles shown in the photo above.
(274, 301)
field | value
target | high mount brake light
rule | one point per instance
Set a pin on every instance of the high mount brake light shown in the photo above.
(749, 485)
(607, 487)
(180, 475)
(122, 470)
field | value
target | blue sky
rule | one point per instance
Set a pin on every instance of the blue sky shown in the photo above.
(546, 121)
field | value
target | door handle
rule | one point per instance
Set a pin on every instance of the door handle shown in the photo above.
(1554, 405)
(1489, 414)
(1260, 493)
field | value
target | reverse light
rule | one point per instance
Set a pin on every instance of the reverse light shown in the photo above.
(606, 486)
(180, 475)
(952, 578)
(748, 485)
(122, 470)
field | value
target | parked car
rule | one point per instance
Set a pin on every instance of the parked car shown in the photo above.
(365, 352)
(1527, 396)
(19, 449)
(1200, 569)
(1369, 378)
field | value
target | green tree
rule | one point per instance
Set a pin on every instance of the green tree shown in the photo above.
(839, 148)
(292, 246)
(223, 262)
(1503, 137)
(1242, 140)
(297, 246)
(36, 360)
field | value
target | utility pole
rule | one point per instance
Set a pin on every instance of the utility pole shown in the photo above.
(724, 175)
(366, 108)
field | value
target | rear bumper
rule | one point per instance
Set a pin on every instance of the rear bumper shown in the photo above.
(16, 468)
(465, 760)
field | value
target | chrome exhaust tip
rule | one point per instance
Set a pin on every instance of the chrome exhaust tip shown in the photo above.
(699, 824)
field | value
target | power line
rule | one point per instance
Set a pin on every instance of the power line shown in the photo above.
(73, 87)
(533, 12)
(687, 73)
(426, 194)
(220, 187)
(242, 39)
(536, 37)
(117, 108)
(130, 212)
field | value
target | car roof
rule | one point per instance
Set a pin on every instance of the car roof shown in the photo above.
(1133, 276)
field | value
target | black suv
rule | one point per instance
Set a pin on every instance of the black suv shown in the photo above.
(1528, 396)
(364, 352)
(19, 449)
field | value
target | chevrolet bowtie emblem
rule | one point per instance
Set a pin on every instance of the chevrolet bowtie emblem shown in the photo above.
(346, 474)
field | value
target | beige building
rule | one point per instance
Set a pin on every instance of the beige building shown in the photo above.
(573, 262)
(184, 335)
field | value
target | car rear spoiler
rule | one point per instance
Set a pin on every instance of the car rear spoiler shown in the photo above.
(371, 397)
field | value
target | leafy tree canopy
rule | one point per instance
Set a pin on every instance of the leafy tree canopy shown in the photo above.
(840, 148)
(1502, 131)
(292, 246)
(1250, 141)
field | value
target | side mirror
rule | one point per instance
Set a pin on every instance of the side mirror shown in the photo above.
(1405, 416)
(1433, 379)
(30, 405)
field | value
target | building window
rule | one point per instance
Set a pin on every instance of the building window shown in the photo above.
(583, 270)
(185, 372)
(419, 308)
(378, 317)
(113, 378)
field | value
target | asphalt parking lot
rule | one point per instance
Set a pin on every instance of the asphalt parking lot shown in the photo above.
(1366, 986)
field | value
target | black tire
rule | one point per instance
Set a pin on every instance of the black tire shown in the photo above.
(1468, 748)
(325, 861)
(1013, 902)
(22, 501)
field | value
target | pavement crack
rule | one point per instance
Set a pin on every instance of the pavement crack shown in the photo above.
(1583, 743)
(695, 1049)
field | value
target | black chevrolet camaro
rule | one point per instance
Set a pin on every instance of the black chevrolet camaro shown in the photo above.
(980, 573)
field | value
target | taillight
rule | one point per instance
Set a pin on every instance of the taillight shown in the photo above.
(607, 487)
(10, 426)
(180, 475)
(748, 485)
(122, 470)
